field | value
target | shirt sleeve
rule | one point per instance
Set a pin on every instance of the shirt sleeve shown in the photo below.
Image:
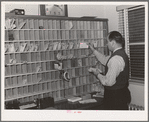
(101, 58)
(115, 65)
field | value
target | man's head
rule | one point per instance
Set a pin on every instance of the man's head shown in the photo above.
(115, 40)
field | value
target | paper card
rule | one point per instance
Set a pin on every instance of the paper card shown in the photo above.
(88, 101)
(80, 62)
(17, 48)
(51, 47)
(66, 45)
(27, 47)
(95, 43)
(70, 56)
(59, 56)
(39, 79)
(71, 44)
(31, 47)
(38, 69)
(83, 45)
(46, 46)
(24, 81)
(59, 46)
(63, 46)
(14, 61)
(56, 66)
(12, 21)
(11, 48)
(6, 47)
(13, 26)
(11, 61)
(55, 45)
(36, 47)
(75, 44)
(68, 25)
(21, 25)
(22, 47)
(78, 44)
(62, 57)
(7, 24)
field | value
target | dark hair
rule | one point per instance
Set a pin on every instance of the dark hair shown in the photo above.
(115, 35)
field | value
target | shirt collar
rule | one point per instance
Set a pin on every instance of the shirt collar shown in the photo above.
(117, 49)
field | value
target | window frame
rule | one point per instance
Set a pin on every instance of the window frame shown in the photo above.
(124, 29)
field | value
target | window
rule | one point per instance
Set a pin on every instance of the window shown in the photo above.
(132, 27)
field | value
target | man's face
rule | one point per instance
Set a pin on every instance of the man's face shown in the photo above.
(109, 44)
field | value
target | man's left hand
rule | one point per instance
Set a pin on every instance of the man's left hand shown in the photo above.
(95, 71)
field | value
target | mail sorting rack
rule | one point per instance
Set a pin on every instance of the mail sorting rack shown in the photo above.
(31, 50)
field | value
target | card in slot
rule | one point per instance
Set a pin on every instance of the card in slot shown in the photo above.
(49, 86)
(77, 81)
(11, 47)
(29, 78)
(14, 92)
(61, 84)
(22, 47)
(30, 90)
(21, 25)
(42, 56)
(24, 68)
(13, 69)
(6, 48)
(19, 78)
(34, 78)
(24, 81)
(44, 76)
(39, 77)
(38, 69)
(25, 89)
(33, 67)
(36, 34)
(14, 81)
(74, 81)
(46, 34)
(20, 91)
(77, 72)
(26, 34)
(80, 62)
(62, 94)
(48, 75)
(45, 86)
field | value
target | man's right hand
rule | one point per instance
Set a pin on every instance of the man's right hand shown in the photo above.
(91, 46)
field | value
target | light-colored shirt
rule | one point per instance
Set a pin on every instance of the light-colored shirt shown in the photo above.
(115, 65)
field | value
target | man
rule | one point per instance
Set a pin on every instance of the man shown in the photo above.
(115, 80)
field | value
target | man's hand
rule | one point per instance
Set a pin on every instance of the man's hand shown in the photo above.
(95, 71)
(91, 46)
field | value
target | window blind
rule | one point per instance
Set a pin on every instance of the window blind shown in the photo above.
(136, 27)
(121, 23)
(136, 23)
(137, 61)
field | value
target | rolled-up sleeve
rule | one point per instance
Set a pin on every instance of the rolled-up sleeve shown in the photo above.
(115, 65)
(101, 58)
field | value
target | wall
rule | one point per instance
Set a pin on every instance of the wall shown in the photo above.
(100, 11)
(30, 9)
(137, 93)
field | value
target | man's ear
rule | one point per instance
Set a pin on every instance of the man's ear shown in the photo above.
(113, 43)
